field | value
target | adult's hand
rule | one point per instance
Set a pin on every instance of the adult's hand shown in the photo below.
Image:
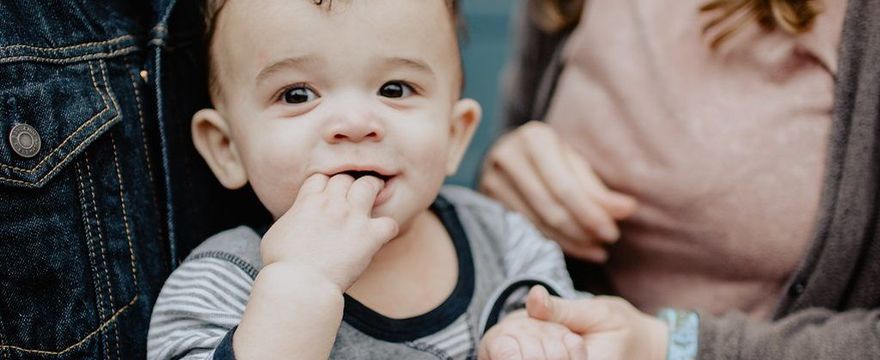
(533, 171)
(612, 328)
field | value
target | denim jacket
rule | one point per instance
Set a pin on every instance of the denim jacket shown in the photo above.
(101, 191)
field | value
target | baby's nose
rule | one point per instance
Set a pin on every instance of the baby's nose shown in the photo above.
(354, 128)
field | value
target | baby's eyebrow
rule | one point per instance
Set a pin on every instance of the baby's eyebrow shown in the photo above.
(414, 64)
(292, 62)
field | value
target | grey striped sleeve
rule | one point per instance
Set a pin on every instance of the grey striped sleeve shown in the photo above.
(453, 342)
(199, 304)
(527, 253)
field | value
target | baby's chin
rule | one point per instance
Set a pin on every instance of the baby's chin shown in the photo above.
(404, 219)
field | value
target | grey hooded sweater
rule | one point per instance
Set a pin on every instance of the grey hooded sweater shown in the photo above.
(832, 308)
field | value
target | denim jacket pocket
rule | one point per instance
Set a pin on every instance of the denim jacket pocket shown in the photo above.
(67, 260)
(45, 89)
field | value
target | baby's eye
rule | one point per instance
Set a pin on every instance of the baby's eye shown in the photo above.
(299, 95)
(395, 89)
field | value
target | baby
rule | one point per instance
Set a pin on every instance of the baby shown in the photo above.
(345, 117)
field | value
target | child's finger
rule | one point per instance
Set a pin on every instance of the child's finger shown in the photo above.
(554, 349)
(363, 192)
(530, 347)
(338, 185)
(503, 348)
(577, 350)
(313, 185)
(383, 228)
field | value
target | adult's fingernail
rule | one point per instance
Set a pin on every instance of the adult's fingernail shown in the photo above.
(545, 297)
(608, 233)
(599, 257)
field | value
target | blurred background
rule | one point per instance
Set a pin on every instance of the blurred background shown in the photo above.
(485, 51)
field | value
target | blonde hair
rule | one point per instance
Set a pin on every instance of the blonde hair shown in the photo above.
(554, 16)
(792, 16)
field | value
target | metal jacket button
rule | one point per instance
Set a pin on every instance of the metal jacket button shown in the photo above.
(797, 288)
(25, 140)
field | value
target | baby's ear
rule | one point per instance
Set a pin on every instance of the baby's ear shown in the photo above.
(212, 139)
(465, 117)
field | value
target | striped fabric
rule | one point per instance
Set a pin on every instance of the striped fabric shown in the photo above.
(455, 341)
(198, 305)
(206, 296)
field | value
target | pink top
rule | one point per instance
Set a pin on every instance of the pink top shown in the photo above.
(725, 150)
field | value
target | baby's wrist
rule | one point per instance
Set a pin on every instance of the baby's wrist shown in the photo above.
(295, 276)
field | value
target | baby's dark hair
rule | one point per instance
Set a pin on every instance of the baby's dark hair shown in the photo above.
(211, 10)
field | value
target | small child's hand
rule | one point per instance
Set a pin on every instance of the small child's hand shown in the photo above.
(519, 337)
(329, 228)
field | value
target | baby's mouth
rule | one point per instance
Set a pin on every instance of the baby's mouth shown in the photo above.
(357, 174)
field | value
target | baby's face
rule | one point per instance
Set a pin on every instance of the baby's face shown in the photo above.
(367, 86)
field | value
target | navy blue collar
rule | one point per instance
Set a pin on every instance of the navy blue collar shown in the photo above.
(384, 328)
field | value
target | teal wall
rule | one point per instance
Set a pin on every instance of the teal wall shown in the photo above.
(485, 51)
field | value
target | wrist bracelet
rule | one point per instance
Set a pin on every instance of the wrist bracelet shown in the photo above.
(684, 332)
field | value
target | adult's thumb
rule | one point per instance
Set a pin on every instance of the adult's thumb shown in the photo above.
(580, 316)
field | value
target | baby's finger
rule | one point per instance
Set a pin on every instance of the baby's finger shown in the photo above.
(530, 347)
(338, 185)
(504, 347)
(577, 350)
(383, 229)
(554, 349)
(362, 194)
(313, 185)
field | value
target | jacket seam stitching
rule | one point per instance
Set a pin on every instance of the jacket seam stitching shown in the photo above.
(70, 47)
(81, 342)
(101, 246)
(90, 242)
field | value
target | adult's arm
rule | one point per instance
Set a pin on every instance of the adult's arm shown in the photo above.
(807, 334)
(616, 330)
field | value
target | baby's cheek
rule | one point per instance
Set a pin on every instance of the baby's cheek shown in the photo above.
(277, 194)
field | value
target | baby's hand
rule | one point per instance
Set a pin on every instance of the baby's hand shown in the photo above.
(329, 229)
(519, 337)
